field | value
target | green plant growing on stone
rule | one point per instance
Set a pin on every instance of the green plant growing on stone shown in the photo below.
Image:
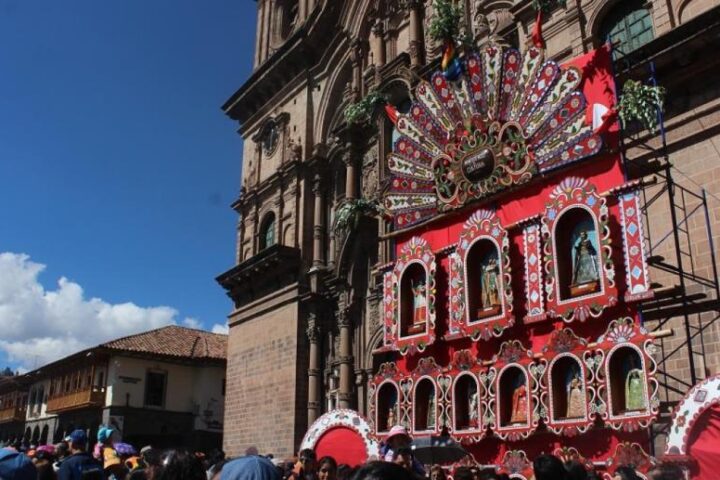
(361, 111)
(349, 213)
(641, 103)
(546, 6)
(445, 22)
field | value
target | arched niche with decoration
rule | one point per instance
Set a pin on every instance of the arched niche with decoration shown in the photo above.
(427, 395)
(580, 281)
(480, 279)
(568, 392)
(409, 299)
(388, 405)
(625, 372)
(466, 398)
(514, 391)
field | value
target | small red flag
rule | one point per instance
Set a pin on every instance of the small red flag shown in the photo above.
(607, 120)
(537, 36)
(392, 113)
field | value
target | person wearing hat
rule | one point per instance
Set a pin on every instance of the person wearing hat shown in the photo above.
(16, 466)
(398, 439)
(80, 464)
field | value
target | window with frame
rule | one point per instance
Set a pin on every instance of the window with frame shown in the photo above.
(155, 383)
(267, 232)
(628, 26)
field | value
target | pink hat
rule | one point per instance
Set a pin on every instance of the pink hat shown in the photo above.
(397, 430)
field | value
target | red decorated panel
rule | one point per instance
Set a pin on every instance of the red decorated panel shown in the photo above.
(580, 281)
(516, 464)
(481, 298)
(636, 271)
(534, 287)
(631, 455)
(409, 299)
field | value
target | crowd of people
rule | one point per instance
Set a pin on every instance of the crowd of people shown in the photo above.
(111, 459)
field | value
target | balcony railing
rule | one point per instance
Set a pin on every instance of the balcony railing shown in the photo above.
(90, 397)
(12, 414)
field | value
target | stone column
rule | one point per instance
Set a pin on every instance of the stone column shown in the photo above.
(314, 379)
(256, 228)
(350, 174)
(267, 6)
(319, 222)
(417, 38)
(259, 33)
(346, 359)
(378, 43)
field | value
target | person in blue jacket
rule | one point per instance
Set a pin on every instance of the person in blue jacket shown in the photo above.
(80, 465)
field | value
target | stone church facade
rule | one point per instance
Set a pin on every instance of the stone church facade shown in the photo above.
(307, 297)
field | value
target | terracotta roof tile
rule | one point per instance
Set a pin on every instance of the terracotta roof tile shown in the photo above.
(174, 341)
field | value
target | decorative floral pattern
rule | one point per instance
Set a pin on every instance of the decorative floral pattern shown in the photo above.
(636, 271)
(341, 418)
(512, 117)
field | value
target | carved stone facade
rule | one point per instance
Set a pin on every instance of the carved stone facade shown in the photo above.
(306, 300)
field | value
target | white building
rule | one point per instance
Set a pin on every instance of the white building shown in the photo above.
(165, 387)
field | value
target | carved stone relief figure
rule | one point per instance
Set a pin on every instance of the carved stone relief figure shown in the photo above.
(370, 177)
(481, 27)
(498, 21)
(433, 48)
(294, 149)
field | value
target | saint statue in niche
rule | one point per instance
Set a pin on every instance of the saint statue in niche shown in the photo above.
(431, 412)
(419, 308)
(586, 276)
(575, 397)
(519, 404)
(391, 421)
(473, 410)
(489, 287)
(634, 391)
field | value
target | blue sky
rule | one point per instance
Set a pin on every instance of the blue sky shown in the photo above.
(117, 166)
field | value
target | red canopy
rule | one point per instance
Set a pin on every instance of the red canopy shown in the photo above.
(704, 444)
(343, 444)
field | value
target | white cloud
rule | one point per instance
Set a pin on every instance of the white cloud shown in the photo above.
(39, 326)
(220, 328)
(191, 322)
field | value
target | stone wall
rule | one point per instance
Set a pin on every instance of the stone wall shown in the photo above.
(262, 390)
